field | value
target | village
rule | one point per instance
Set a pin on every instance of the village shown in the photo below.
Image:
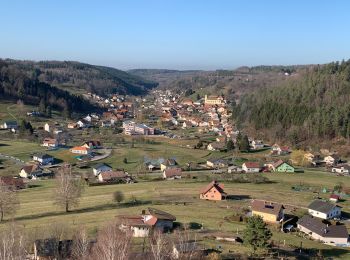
(172, 142)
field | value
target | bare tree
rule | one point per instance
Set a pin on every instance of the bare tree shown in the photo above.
(159, 245)
(81, 244)
(112, 243)
(68, 188)
(186, 246)
(12, 243)
(8, 201)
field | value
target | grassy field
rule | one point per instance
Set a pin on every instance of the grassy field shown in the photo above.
(96, 207)
(37, 209)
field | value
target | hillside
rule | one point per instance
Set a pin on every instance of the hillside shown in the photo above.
(313, 106)
(231, 83)
(16, 84)
(77, 77)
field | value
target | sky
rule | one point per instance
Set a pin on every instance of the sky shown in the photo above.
(176, 34)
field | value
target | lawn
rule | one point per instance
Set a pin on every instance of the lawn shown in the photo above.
(96, 207)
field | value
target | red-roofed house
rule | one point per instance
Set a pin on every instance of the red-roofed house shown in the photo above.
(172, 173)
(334, 198)
(213, 191)
(114, 176)
(251, 167)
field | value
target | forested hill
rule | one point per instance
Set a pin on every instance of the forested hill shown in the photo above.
(313, 106)
(16, 84)
(77, 77)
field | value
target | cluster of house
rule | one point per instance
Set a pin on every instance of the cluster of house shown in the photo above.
(316, 224)
(169, 167)
(140, 226)
(105, 174)
(130, 127)
(207, 114)
(250, 166)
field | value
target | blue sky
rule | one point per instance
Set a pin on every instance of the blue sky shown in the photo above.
(177, 34)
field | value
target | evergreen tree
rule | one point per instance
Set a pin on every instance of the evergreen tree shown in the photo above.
(243, 144)
(230, 145)
(42, 106)
(48, 111)
(256, 234)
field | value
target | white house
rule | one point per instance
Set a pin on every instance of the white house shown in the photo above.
(329, 234)
(43, 158)
(332, 159)
(251, 167)
(324, 210)
(50, 142)
(47, 127)
(341, 169)
(136, 224)
(101, 167)
(257, 144)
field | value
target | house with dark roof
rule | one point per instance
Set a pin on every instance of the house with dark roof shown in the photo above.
(172, 173)
(324, 209)
(43, 158)
(269, 211)
(10, 125)
(316, 229)
(251, 167)
(168, 163)
(213, 191)
(93, 144)
(159, 219)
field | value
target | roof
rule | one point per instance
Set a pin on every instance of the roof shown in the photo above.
(29, 168)
(132, 220)
(322, 206)
(252, 164)
(324, 230)
(79, 148)
(113, 175)
(334, 196)
(99, 165)
(159, 214)
(11, 122)
(266, 207)
(278, 163)
(92, 143)
(50, 140)
(169, 162)
(172, 172)
(43, 155)
(218, 186)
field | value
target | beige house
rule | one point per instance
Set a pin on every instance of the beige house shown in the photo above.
(269, 211)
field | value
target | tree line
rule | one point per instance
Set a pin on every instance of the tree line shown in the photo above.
(313, 104)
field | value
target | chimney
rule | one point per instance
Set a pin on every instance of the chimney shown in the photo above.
(143, 212)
